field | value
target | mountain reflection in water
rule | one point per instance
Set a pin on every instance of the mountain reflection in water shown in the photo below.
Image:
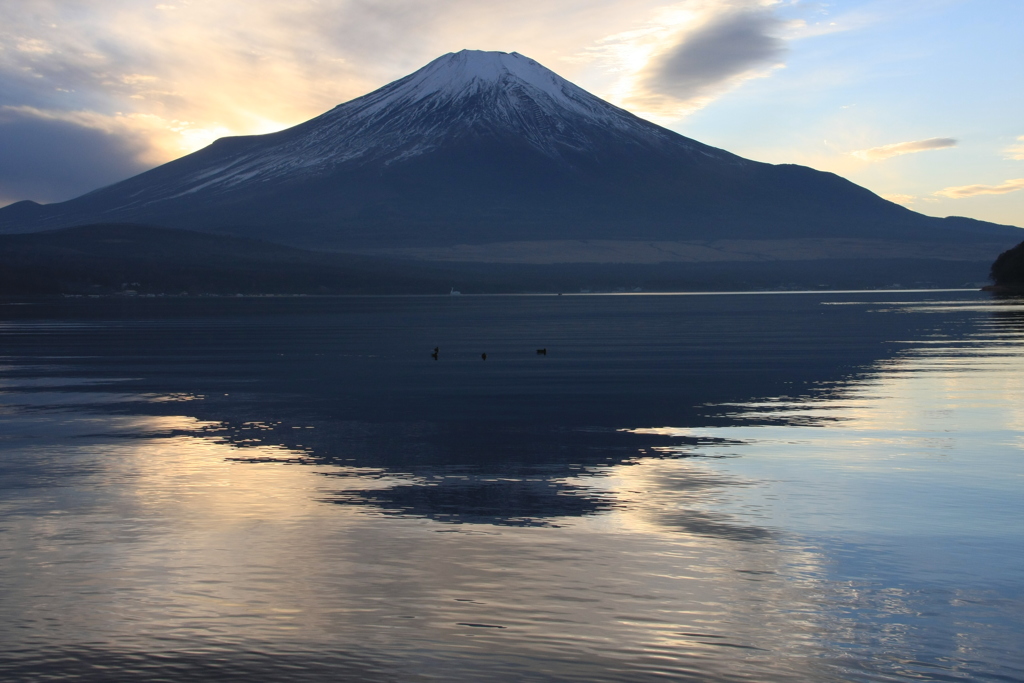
(769, 487)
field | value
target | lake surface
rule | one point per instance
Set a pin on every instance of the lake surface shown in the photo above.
(756, 487)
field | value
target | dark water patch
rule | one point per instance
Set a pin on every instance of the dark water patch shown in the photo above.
(469, 500)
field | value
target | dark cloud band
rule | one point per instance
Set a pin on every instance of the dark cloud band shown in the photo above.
(728, 46)
(52, 160)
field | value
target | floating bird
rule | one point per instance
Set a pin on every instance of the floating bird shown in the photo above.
(434, 354)
(542, 352)
(483, 356)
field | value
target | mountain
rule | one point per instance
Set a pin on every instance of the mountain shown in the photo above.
(495, 152)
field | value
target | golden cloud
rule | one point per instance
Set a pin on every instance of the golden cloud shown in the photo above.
(899, 148)
(972, 190)
(1016, 151)
(900, 198)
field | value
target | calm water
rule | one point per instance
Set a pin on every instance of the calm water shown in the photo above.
(779, 487)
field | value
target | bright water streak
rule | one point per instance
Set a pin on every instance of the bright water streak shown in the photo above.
(815, 487)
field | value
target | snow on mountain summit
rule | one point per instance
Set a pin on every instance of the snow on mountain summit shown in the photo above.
(488, 92)
(457, 73)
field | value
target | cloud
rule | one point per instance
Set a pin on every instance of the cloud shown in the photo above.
(973, 190)
(687, 54)
(727, 47)
(124, 85)
(900, 198)
(47, 159)
(251, 67)
(1016, 151)
(898, 148)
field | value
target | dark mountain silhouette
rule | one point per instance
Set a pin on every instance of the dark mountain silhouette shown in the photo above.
(141, 259)
(483, 148)
(1008, 270)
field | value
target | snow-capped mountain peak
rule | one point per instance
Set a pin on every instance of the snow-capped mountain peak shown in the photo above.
(495, 90)
(457, 73)
(461, 94)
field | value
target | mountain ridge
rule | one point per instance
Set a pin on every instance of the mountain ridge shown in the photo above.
(132, 259)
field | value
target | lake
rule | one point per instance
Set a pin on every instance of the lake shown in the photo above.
(814, 486)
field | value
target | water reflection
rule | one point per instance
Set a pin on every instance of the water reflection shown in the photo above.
(176, 554)
(456, 473)
(736, 491)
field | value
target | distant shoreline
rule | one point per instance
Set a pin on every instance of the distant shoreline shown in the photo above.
(5, 298)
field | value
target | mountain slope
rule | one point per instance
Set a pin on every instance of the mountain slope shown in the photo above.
(483, 147)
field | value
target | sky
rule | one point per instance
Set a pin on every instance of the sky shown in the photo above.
(920, 101)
